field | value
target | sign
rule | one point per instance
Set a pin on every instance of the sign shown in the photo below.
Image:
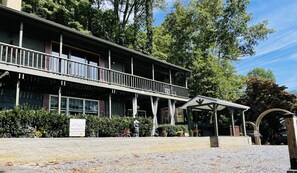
(77, 127)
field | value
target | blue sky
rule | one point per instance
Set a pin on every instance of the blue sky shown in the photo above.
(279, 52)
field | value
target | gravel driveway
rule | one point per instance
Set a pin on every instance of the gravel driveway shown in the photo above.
(230, 159)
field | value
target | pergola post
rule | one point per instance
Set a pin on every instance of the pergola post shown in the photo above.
(232, 121)
(188, 112)
(243, 123)
(215, 112)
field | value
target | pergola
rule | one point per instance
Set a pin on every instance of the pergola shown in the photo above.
(215, 105)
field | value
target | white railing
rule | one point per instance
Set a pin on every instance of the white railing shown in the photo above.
(27, 58)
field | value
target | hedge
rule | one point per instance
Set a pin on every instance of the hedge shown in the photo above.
(23, 122)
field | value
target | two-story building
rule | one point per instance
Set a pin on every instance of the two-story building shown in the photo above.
(45, 64)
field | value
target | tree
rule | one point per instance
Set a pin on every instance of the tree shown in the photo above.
(112, 22)
(260, 72)
(205, 36)
(262, 94)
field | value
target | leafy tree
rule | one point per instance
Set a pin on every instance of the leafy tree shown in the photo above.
(262, 94)
(260, 72)
(205, 36)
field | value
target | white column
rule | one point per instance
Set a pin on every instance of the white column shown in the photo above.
(60, 98)
(153, 71)
(134, 106)
(60, 52)
(109, 105)
(170, 77)
(132, 66)
(109, 59)
(154, 104)
(17, 96)
(171, 109)
(21, 35)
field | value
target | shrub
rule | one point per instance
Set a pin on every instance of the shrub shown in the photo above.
(23, 122)
(171, 130)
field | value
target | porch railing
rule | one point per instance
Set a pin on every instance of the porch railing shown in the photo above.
(22, 57)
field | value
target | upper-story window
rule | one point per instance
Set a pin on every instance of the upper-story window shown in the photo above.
(75, 62)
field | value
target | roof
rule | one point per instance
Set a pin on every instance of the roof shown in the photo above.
(24, 15)
(203, 102)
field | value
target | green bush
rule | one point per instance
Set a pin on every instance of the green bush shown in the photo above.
(171, 129)
(23, 122)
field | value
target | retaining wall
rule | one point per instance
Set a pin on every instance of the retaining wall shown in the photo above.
(37, 150)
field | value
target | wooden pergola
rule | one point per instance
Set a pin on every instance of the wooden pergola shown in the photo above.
(215, 105)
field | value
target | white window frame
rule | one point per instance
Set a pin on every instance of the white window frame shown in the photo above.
(67, 103)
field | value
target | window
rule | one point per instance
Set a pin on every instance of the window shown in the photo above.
(72, 106)
(91, 107)
(75, 62)
(75, 106)
(54, 103)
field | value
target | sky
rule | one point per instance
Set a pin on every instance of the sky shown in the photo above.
(279, 51)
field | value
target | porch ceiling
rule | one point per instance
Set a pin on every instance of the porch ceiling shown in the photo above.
(205, 103)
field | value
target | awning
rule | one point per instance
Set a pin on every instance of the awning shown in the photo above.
(205, 103)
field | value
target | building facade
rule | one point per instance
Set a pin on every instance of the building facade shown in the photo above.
(45, 64)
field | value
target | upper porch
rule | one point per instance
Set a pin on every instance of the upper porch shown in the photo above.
(31, 45)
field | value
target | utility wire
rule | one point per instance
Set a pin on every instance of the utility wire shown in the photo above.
(265, 62)
(268, 53)
(279, 38)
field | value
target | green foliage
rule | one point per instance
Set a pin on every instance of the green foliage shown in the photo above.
(23, 122)
(205, 36)
(171, 129)
(260, 72)
(262, 94)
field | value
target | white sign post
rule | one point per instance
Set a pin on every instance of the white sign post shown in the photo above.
(77, 127)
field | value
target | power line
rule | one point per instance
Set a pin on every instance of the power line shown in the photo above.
(265, 62)
(279, 38)
(268, 53)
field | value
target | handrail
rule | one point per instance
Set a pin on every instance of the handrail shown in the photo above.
(23, 57)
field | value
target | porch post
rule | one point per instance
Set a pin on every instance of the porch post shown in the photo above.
(154, 104)
(132, 66)
(215, 112)
(232, 121)
(243, 123)
(171, 108)
(59, 99)
(109, 105)
(21, 34)
(170, 77)
(153, 71)
(134, 105)
(109, 59)
(17, 96)
(60, 52)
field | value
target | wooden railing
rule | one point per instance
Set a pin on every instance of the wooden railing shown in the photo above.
(22, 57)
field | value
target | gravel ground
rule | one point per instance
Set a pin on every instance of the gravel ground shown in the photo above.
(227, 160)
